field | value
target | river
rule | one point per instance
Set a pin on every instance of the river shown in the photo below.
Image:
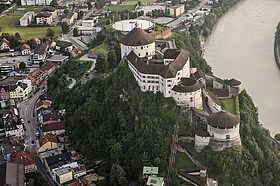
(241, 46)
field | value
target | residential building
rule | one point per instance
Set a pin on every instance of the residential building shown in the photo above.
(55, 128)
(56, 161)
(47, 142)
(63, 175)
(64, 45)
(48, 68)
(69, 18)
(76, 51)
(167, 72)
(19, 91)
(26, 158)
(12, 174)
(50, 117)
(28, 83)
(40, 53)
(35, 2)
(177, 10)
(58, 59)
(44, 18)
(36, 77)
(149, 171)
(12, 125)
(43, 104)
(79, 171)
(25, 50)
(26, 19)
(50, 10)
(4, 44)
(156, 181)
(7, 67)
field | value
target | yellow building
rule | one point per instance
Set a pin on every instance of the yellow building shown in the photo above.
(177, 10)
(47, 142)
(19, 91)
(63, 175)
(79, 171)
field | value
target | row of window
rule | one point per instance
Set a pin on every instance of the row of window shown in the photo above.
(151, 88)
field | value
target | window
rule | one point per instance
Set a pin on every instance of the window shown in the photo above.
(227, 136)
(141, 48)
(147, 53)
(139, 54)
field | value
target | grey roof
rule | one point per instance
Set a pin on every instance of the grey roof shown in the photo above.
(63, 170)
(165, 71)
(137, 37)
(57, 58)
(15, 174)
(44, 14)
(41, 48)
(64, 44)
(187, 85)
(219, 80)
(232, 82)
(223, 119)
(202, 133)
(171, 53)
(49, 9)
(51, 117)
(60, 157)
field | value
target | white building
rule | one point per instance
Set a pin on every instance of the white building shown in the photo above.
(222, 132)
(87, 27)
(35, 2)
(44, 18)
(25, 50)
(26, 19)
(167, 72)
(28, 83)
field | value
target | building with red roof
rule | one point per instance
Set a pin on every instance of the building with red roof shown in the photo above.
(26, 158)
(48, 68)
(55, 128)
(25, 50)
(43, 104)
(4, 44)
(47, 142)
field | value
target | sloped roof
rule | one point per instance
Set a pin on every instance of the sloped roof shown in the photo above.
(47, 66)
(54, 126)
(43, 102)
(233, 82)
(49, 137)
(24, 157)
(165, 71)
(137, 37)
(223, 119)
(221, 92)
(4, 40)
(24, 46)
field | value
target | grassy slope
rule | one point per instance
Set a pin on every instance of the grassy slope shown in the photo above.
(183, 161)
(118, 7)
(9, 25)
(229, 105)
(25, 9)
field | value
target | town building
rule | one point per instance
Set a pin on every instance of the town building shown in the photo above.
(76, 51)
(149, 171)
(40, 53)
(26, 158)
(25, 50)
(7, 67)
(12, 174)
(64, 45)
(222, 132)
(79, 171)
(69, 18)
(156, 181)
(177, 10)
(48, 68)
(63, 175)
(58, 59)
(57, 161)
(36, 2)
(4, 44)
(44, 18)
(12, 125)
(47, 142)
(50, 10)
(43, 104)
(26, 19)
(55, 128)
(166, 71)
(19, 91)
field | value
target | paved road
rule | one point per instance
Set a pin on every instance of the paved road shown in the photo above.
(73, 82)
(176, 22)
(69, 36)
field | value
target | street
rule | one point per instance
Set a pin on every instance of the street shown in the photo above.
(176, 22)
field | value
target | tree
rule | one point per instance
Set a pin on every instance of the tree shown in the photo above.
(112, 59)
(75, 32)
(22, 66)
(277, 136)
(117, 175)
(53, 3)
(50, 33)
(89, 5)
(18, 36)
(32, 43)
(101, 64)
(81, 14)
(64, 27)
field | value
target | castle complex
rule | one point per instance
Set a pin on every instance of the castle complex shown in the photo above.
(158, 66)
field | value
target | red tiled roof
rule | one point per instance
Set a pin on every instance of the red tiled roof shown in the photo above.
(24, 46)
(4, 40)
(6, 112)
(76, 50)
(54, 126)
(47, 66)
(24, 157)
(29, 77)
(38, 41)
(46, 138)
(43, 102)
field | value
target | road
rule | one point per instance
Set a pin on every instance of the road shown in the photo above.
(69, 36)
(176, 22)
(72, 83)
(29, 115)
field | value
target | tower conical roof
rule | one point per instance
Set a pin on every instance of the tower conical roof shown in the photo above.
(137, 37)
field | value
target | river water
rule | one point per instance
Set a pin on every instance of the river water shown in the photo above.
(241, 46)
